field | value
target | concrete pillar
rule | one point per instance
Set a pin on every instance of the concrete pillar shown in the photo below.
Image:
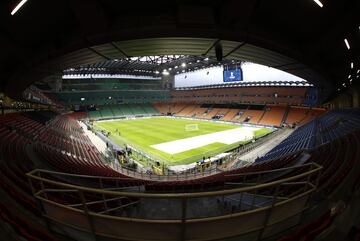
(355, 96)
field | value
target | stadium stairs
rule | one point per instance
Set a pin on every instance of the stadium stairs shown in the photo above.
(262, 116)
(287, 110)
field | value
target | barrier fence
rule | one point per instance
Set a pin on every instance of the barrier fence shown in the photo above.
(102, 207)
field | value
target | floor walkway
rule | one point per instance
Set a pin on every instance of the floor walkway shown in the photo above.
(98, 143)
(261, 150)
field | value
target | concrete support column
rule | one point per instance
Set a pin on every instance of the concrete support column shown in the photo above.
(355, 96)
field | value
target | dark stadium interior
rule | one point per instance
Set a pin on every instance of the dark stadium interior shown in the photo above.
(310, 37)
(71, 70)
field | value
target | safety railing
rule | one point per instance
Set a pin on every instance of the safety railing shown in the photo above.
(224, 212)
(192, 173)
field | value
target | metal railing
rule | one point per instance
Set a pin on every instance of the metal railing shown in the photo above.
(93, 209)
(192, 173)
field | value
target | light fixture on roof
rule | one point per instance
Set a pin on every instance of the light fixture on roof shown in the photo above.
(18, 7)
(347, 43)
(206, 59)
(183, 65)
(352, 65)
(157, 72)
(318, 3)
(116, 60)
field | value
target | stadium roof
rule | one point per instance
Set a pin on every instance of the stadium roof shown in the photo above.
(148, 65)
(45, 37)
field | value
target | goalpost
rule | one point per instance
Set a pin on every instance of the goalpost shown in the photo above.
(191, 127)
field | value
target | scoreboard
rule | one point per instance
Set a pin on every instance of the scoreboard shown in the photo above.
(233, 75)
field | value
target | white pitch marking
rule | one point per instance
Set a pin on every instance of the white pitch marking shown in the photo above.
(226, 137)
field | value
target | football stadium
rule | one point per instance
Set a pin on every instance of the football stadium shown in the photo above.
(180, 120)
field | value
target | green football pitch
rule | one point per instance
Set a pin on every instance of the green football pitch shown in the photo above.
(142, 133)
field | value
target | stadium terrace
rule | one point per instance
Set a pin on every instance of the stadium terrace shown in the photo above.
(180, 120)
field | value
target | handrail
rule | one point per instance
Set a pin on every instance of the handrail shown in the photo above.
(80, 175)
(166, 176)
(136, 176)
(273, 170)
(96, 202)
(174, 195)
(230, 215)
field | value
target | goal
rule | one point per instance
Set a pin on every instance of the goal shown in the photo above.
(191, 127)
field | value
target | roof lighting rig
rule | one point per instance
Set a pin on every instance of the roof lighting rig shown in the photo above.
(149, 65)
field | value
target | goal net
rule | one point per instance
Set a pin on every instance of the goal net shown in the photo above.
(191, 127)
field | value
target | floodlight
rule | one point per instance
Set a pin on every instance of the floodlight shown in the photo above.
(18, 7)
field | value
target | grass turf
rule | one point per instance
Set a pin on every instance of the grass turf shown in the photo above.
(142, 133)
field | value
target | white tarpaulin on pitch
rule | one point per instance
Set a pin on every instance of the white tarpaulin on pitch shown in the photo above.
(226, 137)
